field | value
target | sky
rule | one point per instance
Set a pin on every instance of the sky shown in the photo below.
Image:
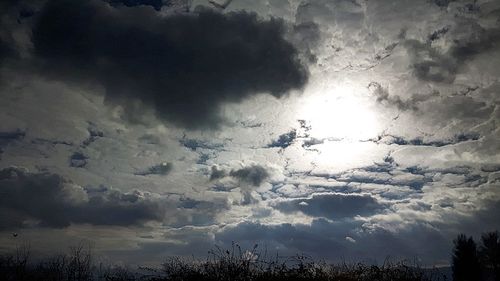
(343, 129)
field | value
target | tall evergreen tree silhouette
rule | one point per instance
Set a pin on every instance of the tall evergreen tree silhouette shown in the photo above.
(465, 265)
(489, 253)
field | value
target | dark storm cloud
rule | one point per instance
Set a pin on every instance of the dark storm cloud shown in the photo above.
(49, 200)
(332, 205)
(253, 175)
(184, 65)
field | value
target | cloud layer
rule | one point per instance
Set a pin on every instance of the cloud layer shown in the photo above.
(391, 147)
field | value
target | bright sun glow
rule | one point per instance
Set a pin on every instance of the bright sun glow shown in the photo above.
(339, 114)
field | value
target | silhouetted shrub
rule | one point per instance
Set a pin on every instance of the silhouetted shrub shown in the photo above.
(489, 253)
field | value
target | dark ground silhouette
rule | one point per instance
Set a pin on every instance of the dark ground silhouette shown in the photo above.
(470, 262)
(228, 265)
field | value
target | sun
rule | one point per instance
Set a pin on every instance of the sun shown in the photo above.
(342, 112)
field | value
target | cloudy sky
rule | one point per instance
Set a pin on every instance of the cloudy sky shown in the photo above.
(344, 129)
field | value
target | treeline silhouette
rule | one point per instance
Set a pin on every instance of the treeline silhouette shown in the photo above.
(470, 262)
(476, 263)
(226, 265)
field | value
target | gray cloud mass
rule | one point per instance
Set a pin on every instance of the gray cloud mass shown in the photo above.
(51, 201)
(184, 66)
(253, 174)
(332, 205)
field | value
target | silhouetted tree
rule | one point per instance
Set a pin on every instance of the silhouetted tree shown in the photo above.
(489, 253)
(465, 265)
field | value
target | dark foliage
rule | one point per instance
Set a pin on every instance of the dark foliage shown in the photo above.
(465, 265)
(489, 253)
(472, 263)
